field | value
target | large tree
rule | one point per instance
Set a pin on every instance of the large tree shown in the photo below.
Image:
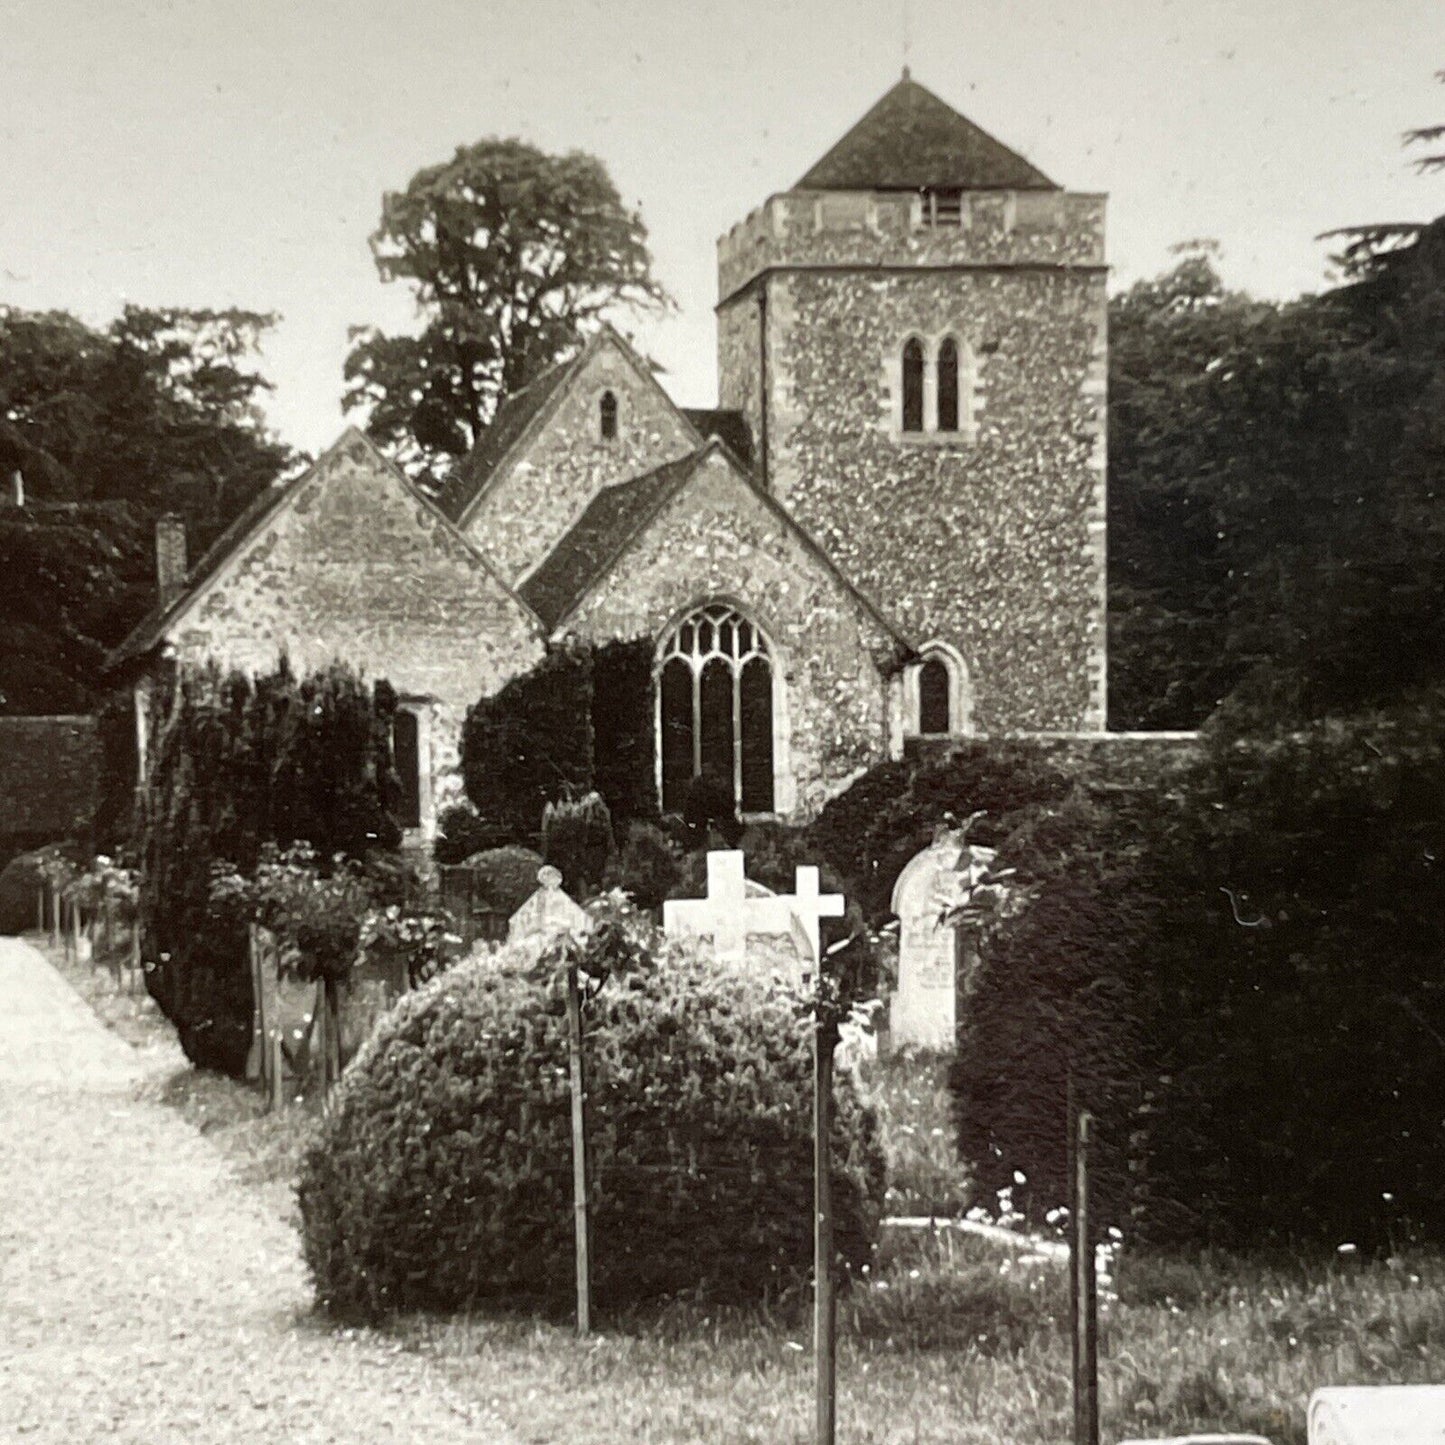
(510, 254)
(109, 428)
(1275, 475)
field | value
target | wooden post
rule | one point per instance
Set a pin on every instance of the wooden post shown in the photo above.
(1084, 1297)
(278, 1072)
(825, 1312)
(55, 916)
(40, 909)
(579, 1150)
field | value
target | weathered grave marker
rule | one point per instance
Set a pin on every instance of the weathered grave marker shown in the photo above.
(736, 910)
(924, 1014)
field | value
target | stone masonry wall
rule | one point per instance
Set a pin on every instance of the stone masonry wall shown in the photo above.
(994, 541)
(357, 567)
(717, 540)
(531, 503)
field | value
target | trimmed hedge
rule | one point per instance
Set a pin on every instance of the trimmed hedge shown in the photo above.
(441, 1178)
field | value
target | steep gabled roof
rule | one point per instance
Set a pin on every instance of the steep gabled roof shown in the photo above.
(521, 416)
(911, 140)
(152, 629)
(514, 417)
(613, 517)
(621, 513)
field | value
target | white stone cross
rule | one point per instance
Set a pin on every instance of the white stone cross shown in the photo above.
(728, 915)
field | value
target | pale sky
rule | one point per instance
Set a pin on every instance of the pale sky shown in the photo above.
(189, 152)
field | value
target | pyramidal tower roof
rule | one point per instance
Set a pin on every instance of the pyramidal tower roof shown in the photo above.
(911, 140)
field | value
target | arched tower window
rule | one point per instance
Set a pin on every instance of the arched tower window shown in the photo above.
(936, 694)
(948, 385)
(607, 416)
(913, 385)
(934, 687)
(715, 708)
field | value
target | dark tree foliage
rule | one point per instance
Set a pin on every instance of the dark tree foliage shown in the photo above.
(1275, 474)
(1241, 971)
(158, 412)
(582, 719)
(511, 254)
(235, 763)
(869, 832)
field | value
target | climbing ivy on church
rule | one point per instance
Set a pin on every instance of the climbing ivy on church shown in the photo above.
(581, 720)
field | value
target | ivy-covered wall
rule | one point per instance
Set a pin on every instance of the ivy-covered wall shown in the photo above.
(716, 539)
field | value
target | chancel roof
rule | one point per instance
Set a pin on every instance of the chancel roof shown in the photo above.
(911, 140)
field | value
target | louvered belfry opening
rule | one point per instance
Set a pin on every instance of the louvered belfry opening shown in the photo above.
(715, 699)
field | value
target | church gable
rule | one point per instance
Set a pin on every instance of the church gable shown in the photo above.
(713, 538)
(352, 562)
(600, 419)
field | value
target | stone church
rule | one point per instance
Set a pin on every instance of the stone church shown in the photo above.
(893, 525)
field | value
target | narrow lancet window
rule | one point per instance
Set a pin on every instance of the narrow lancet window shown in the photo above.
(913, 386)
(607, 416)
(948, 386)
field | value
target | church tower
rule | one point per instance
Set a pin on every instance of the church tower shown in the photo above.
(916, 333)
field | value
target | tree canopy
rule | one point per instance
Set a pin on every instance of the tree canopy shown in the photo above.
(510, 254)
(109, 428)
(1275, 473)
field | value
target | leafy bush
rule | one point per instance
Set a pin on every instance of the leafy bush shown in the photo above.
(581, 719)
(463, 832)
(870, 831)
(577, 842)
(405, 945)
(711, 813)
(442, 1175)
(504, 878)
(237, 763)
(647, 866)
(20, 882)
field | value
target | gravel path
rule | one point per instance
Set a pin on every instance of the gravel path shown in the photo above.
(145, 1294)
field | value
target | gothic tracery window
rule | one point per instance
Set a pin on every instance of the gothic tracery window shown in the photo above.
(715, 708)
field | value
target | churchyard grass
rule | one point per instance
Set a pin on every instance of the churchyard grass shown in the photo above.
(924, 1175)
(953, 1338)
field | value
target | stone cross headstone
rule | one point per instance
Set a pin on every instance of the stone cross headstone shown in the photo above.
(548, 912)
(924, 1014)
(736, 910)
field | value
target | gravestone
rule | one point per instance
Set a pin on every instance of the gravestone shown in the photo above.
(1378, 1415)
(548, 912)
(924, 1014)
(743, 920)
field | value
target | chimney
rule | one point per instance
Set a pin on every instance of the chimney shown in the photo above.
(17, 489)
(170, 557)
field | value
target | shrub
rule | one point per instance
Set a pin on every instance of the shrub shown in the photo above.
(463, 832)
(577, 842)
(503, 879)
(237, 763)
(582, 719)
(709, 811)
(442, 1176)
(20, 882)
(646, 868)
